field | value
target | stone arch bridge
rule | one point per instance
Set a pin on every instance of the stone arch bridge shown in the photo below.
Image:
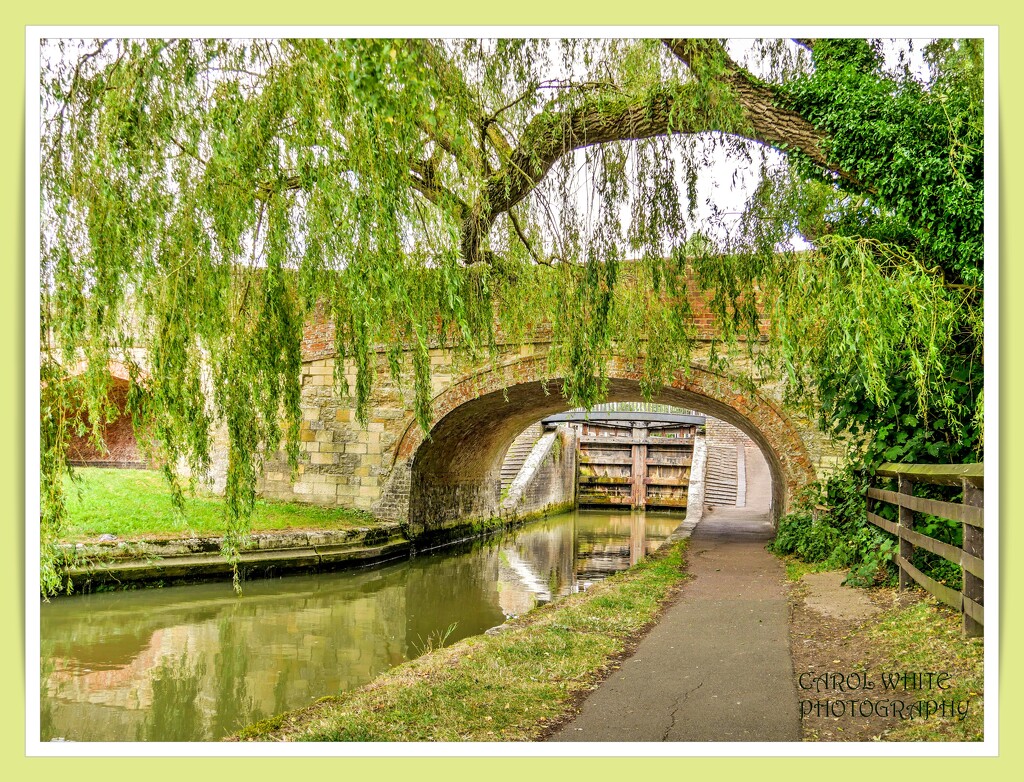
(392, 468)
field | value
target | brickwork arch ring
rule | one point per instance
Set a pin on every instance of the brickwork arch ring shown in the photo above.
(476, 418)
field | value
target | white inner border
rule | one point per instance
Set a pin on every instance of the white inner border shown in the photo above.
(34, 747)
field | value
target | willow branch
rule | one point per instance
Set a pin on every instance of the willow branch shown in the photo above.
(551, 134)
(424, 182)
(610, 116)
(466, 155)
(768, 120)
(454, 81)
(524, 240)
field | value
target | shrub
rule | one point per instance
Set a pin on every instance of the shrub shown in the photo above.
(828, 524)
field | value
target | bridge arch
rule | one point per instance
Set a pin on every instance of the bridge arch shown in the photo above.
(120, 447)
(454, 474)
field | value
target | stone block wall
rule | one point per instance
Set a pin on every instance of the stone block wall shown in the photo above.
(552, 483)
(341, 462)
(391, 468)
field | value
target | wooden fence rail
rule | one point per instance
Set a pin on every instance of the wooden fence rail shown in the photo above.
(970, 600)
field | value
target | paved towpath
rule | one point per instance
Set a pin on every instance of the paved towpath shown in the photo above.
(717, 666)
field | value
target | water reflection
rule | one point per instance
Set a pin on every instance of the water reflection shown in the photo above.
(197, 662)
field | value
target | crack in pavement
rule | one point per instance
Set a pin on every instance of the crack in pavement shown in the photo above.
(675, 707)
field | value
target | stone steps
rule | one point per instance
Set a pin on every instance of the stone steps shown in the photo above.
(517, 453)
(720, 478)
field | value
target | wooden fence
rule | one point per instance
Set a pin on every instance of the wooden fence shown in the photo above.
(970, 600)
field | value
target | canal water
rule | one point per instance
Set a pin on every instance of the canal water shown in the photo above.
(195, 663)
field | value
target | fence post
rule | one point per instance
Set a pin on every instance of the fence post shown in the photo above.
(906, 519)
(974, 543)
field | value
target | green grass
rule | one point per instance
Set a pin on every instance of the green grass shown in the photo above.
(136, 504)
(505, 687)
(927, 636)
(797, 568)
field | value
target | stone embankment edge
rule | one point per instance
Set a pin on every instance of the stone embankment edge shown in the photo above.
(148, 563)
(682, 532)
(533, 461)
(130, 564)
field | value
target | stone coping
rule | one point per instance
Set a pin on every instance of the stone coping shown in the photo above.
(116, 549)
(131, 563)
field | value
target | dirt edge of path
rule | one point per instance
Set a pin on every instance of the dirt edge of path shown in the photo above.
(824, 642)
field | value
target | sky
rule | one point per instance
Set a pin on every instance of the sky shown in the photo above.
(725, 182)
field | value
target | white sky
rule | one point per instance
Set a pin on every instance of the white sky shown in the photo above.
(723, 185)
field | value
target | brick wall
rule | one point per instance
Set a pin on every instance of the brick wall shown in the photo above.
(120, 446)
(719, 432)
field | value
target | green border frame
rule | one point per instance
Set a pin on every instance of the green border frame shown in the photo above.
(455, 13)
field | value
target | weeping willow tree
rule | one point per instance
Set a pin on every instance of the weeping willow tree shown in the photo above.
(201, 197)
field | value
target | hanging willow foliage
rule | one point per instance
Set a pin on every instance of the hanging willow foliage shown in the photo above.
(200, 198)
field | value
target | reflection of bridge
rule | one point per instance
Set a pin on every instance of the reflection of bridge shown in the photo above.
(544, 562)
(526, 576)
(392, 468)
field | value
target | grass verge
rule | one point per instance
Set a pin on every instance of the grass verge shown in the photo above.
(927, 636)
(797, 568)
(137, 504)
(511, 686)
(909, 633)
